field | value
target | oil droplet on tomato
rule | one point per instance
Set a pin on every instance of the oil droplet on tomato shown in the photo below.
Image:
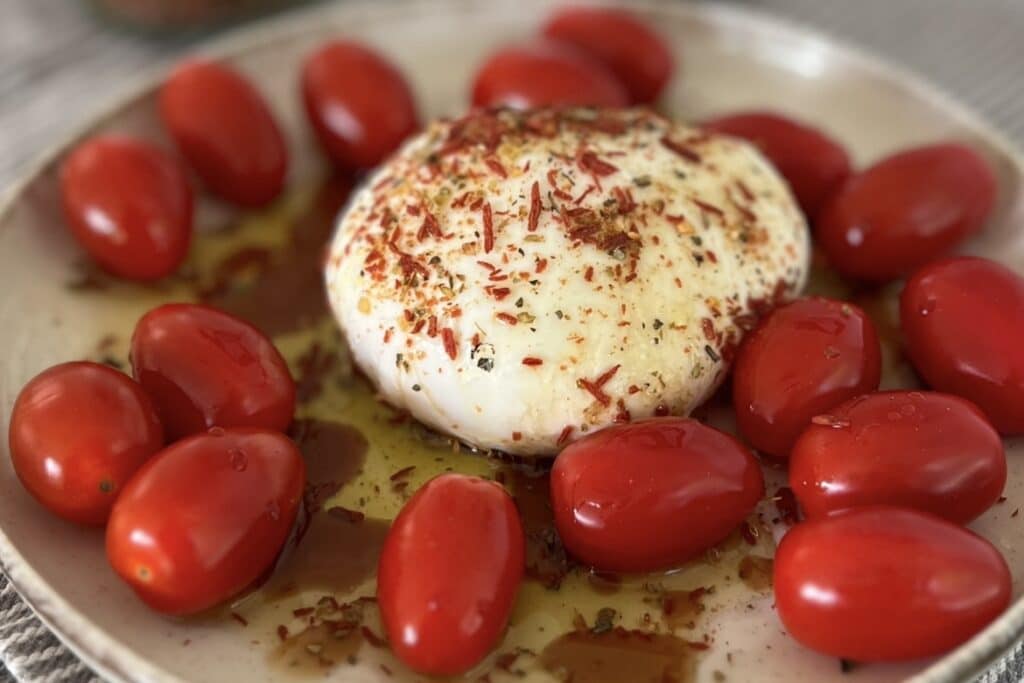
(927, 306)
(239, 461)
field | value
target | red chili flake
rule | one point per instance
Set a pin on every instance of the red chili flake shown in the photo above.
(534, 207)
(461, 200)
(239, 618)
(282, 632)
(429, 227)
(541, 265)
(382, 183)
(748, 533)
(633, 389)
(564, 436)
(506, 318)
(679, 283)
(710, 208)
(747, 214)
(623, 415)
(409, 315)
(412, 209)
(498, 293)
(583, 195)
(709, 329)
(449, 342)
(681, 149)
(303, 611)
(745, 191)
(477, 203)
(595, 387)
(476, 339)
(387, 335)
(697, 645)
(562, 194)
(402, 473)
(486, 265)
(589, 275)
(488, 228)
(785, 503)
(517, 436)
(432, 328)
(372, 638)
(455, 312)
(711, 256)
(553, 178)
(590, 163)
(529, 360)
(418, 327)
(385, 669)
(497, 276)
(624, 198)
(496, 166)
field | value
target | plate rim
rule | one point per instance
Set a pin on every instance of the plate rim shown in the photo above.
(107, 656)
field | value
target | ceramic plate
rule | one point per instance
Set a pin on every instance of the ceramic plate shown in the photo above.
(53, 308)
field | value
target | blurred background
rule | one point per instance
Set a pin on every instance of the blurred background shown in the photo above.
(62, 60)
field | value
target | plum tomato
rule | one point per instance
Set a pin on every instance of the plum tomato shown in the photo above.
(886, 584)
(449, 573)
(545, 73)
(963, 322)
(803, 359)
(652, 494)
(928, 451)
(813, 164)
(129, 205)
(625, 45)
(224, 129)
(359, 104)
(78, 432)
(206, 518)
(905, 211)
(205, 368)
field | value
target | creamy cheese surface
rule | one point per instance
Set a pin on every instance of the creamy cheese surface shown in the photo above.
(520, 279)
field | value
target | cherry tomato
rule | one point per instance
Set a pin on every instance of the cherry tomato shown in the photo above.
(449, 573)
(359, 104)
(206, 518)
(802, 360)
(626, 46)
(929, 451)
(225, 130)
(813, 164)
(963, 321)
(205, 368)
(652, 494)
(885, 584)
(545, 73)
(78, 432)
(129, 205)
(905, 211)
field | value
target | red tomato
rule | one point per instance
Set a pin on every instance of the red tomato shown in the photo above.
(359, 104)
(886, 584)
(812, 163)
(449, 573)
(129, 205)
(801, 361)
(206, 518)
(545, 73)
(616, 38)
(963, 321)
(225, 130)
(205, 368)
(652, 494)
(933, 452)
(906, 210)
(78, 432)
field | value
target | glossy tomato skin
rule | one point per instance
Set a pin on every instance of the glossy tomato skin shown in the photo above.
(205, 368)
(224, 129)
(963, 322)
(924, 450)
(637, 56)
(877, 584)
(543, 74)
(206, 518)
(129, 205)
(652, 494)
(802, 360)
(449, 573)
(905, 211)
(360, 105)
(78, 432)
(813, 164)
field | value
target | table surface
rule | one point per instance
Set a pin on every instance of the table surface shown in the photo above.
(58, 64)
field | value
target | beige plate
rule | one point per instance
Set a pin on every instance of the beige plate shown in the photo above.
(731, 59)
